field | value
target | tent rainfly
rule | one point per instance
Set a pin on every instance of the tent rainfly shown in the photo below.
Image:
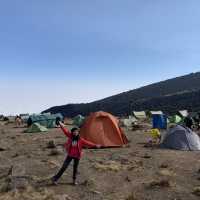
(78, 120)
(129, 122)
(49, 121)
(156, 112)
(36, 128)
(183, 113)
(176, 119)
(139, 114)
(103, 128)
(181, 138)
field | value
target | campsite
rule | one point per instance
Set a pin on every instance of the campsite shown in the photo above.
(99, 100)
(134, 171)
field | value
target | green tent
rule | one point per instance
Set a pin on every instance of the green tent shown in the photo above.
(176, 119)
(47, 120)
(36, 128)
(78, 120)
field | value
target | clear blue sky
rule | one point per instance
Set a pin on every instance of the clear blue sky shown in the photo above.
(58, 52)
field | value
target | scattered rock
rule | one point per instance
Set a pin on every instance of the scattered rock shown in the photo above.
(88, 183)
(196, 191)
(95, 192)
(166, 172)
(54, 152)
(51, 145)
(15, 155)
(53, 164)
(2, 149)
(130, 168)
(127, 179)
(108, 166)
(5, 172)
(139, 163)
(146, 156)
(2, 131)
(125, 161)
(19, 179)
(19, 182)
(164, 165)
(159, 183)
(6, 185)
(148, 145)
(131, 197)
(64, 197)
(29, 194)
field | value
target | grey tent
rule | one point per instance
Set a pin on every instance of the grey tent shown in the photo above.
(181, 138)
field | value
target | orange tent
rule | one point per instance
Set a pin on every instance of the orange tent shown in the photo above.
(102, 128)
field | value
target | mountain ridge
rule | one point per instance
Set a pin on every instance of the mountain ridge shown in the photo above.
(174, 89)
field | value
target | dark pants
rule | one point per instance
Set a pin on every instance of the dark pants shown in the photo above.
(65, 165)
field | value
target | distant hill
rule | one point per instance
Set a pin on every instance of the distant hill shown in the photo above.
(170, 95)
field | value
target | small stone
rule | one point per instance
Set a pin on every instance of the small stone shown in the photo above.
(64, 197)
(96, 192)
(2, 149)
(127, 179)
(164, 165)
(54, 152)
(51, 145)
(15, 155)
(160, 183)
(146, 156)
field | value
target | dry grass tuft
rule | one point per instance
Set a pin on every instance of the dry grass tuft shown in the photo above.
(109, 166)
(29, 194)
(132, 196)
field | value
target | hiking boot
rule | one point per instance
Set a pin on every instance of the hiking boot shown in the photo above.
(75, 182)
(53, 181)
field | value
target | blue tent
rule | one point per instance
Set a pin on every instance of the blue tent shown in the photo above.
(159, 121)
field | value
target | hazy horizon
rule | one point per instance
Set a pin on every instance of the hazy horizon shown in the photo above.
(55, 53)
(87, 101)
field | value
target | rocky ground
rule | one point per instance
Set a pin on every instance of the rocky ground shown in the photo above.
(27, 161)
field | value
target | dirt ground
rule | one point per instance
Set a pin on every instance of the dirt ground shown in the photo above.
(130, 173)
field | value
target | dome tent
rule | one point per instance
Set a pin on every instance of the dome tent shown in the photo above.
(176, 119)
(181, 138)
(78, 120)
(103, 128)
(36, 128)
(47, 120)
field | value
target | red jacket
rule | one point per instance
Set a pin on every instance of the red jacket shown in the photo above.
(77, 150)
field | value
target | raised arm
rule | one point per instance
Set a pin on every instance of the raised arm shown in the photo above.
(87, 143)
(65, 130)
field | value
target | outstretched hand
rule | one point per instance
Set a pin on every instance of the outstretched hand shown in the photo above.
(57, 122)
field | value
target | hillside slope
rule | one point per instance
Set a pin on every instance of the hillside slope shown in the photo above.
(169, 95)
